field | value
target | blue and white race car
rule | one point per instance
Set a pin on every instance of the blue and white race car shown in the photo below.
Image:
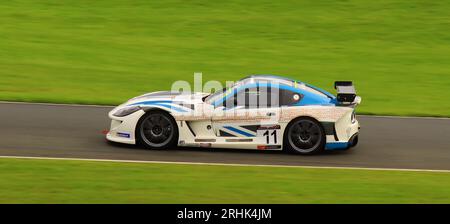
(262, 112)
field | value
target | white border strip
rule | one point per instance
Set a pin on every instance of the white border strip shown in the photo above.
(220, 164)
(107, 106)
(56, 104)
(401, 117)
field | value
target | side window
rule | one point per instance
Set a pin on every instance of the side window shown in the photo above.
(288, 98)
(275, 97)
(249, 97)
(262, 97)
(231, 101)
(268, 97)
(259, 97)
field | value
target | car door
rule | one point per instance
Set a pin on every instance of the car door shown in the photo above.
(250, 112)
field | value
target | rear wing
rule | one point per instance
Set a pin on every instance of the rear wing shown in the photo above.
(346, 93)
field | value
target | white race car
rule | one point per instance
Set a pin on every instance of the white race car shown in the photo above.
(262, 112)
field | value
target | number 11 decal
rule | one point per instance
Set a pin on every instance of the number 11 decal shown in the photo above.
(268, 135)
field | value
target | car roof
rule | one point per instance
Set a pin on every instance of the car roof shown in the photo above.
(269, 78)
(282, 80)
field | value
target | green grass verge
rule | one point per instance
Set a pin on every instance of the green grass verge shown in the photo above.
(56, 181)
(104, 52)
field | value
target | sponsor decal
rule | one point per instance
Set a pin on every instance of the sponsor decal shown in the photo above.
(123, 134)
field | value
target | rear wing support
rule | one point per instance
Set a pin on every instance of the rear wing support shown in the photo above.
(346, 93)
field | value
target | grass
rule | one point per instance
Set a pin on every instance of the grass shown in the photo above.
(104, 52)
(56, 181)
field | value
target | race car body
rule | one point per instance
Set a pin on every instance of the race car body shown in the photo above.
(258, 112)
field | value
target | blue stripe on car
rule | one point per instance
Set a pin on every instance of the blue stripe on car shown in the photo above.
(151, 102)
(321, 90)
(336, 145)
(239, 131)
(161, 103)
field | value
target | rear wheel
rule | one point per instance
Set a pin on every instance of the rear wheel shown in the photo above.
(157, 130)
(304, 136)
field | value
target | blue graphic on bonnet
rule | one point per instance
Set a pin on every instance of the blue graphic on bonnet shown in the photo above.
(162, 103)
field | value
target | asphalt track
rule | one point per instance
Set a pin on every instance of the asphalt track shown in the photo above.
(65, 131)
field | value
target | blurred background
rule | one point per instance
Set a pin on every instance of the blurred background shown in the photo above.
(104, 52)
(397, 52)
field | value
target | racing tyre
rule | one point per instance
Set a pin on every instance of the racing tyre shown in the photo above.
(157, 130)
(304, 136)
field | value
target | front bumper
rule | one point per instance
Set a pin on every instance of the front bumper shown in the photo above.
(122, 129)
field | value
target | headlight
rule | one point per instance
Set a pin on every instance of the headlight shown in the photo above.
(126, 111)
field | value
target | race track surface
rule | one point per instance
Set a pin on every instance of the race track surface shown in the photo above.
(76, 132)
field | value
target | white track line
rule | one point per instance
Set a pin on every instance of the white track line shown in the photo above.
(221, 164)
(106, 106)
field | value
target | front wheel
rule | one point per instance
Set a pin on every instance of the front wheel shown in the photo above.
(304, 136)
(157, 130)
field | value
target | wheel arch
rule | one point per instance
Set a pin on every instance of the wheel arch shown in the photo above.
(303, 117)
(292, 121)
(152, 109)
(148, 110)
